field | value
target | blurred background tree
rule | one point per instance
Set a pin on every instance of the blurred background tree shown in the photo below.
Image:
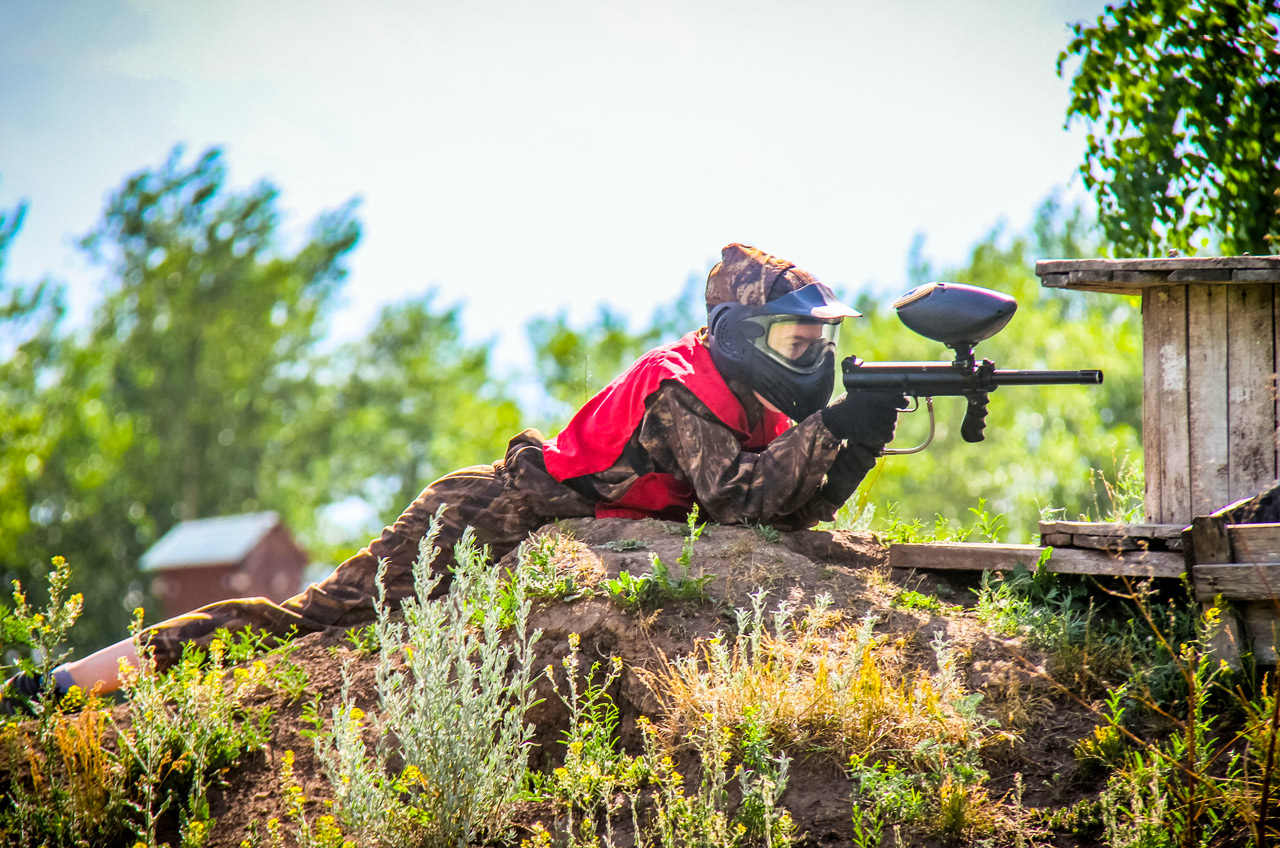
(203, 387)
(1182, 101)
(573, 363)
(412, 401)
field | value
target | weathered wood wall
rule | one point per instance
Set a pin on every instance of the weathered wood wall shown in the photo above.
(1210, 412)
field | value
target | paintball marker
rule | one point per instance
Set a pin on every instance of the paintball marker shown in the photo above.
(959, 316)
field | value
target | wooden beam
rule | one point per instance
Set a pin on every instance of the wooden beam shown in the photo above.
(1165, 421)
(1255, 542)
(960, 556)
(1262, 623)
(1112, 528)
(1238, 581)
(1207, 412)
(1251, 388)
(1266, 264)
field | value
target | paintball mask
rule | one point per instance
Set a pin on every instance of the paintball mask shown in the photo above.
(783, 349)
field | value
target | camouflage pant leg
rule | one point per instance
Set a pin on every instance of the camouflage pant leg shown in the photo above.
(494, 500)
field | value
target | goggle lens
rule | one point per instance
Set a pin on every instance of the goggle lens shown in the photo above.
(800, 343)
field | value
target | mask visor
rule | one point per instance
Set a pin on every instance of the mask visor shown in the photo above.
(798, 344)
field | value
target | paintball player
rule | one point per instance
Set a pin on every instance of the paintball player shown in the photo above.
(733, 417)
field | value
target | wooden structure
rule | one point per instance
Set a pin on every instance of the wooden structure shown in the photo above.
(1210, 417)
(212, 559)
(1211, 414)
(1209, 337)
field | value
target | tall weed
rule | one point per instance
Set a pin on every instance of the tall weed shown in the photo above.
(452, 692)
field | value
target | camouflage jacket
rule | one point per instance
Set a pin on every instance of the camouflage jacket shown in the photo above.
(781, 485)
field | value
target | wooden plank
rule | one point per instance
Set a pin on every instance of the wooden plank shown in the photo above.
(1137, 564)
(1056, 539)
(1245, 275)
(1162, 263)
(1151, 278)
(1237, 581)
(1087, 276)
(1209, 540)
(1261, 621)
(1207, 410)
(1254, 542)
(1053, 281)
(1204, 275)
(1105, 288)
(1251, 388)
(1111, 528)
(1165, 423)
(1108, 543)
(1152, 444)
(959, 556)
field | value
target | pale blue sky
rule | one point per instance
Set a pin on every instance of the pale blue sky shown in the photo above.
(521, 157)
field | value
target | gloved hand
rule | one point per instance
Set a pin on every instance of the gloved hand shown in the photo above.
(866, 417)
(851, 464)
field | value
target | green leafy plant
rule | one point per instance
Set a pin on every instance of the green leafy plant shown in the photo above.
(543, 577)
(63, 785)
(183, 726)
(453, 688)
(38, 637)
(596, 777)
(649, 590)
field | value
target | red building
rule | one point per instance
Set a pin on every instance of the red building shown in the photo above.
(212, 559)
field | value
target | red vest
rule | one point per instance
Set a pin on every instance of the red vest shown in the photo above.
(593, 440)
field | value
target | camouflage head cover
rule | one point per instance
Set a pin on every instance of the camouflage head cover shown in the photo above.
(752, 277)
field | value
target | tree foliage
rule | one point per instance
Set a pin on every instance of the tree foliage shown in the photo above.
(1182, 100)
(413, 401)
(201, 387)
(575, 363)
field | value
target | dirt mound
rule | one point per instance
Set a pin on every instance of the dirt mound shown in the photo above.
(846, 571)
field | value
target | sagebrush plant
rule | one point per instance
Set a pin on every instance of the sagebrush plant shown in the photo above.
(452, 692)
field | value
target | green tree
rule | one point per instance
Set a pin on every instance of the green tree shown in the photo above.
(170, 405)
(206, 329)
(575, 363)
(1182, 101)
(30, 347)
(1042, 444)
(412, 401)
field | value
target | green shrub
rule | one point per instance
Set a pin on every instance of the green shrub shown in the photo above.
(452, 693)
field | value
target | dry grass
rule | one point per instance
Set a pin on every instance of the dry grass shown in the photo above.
(814, 688)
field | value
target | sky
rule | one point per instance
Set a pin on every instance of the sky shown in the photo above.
(523, 158)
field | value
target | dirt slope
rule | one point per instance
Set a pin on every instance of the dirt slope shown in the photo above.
(794, 566)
